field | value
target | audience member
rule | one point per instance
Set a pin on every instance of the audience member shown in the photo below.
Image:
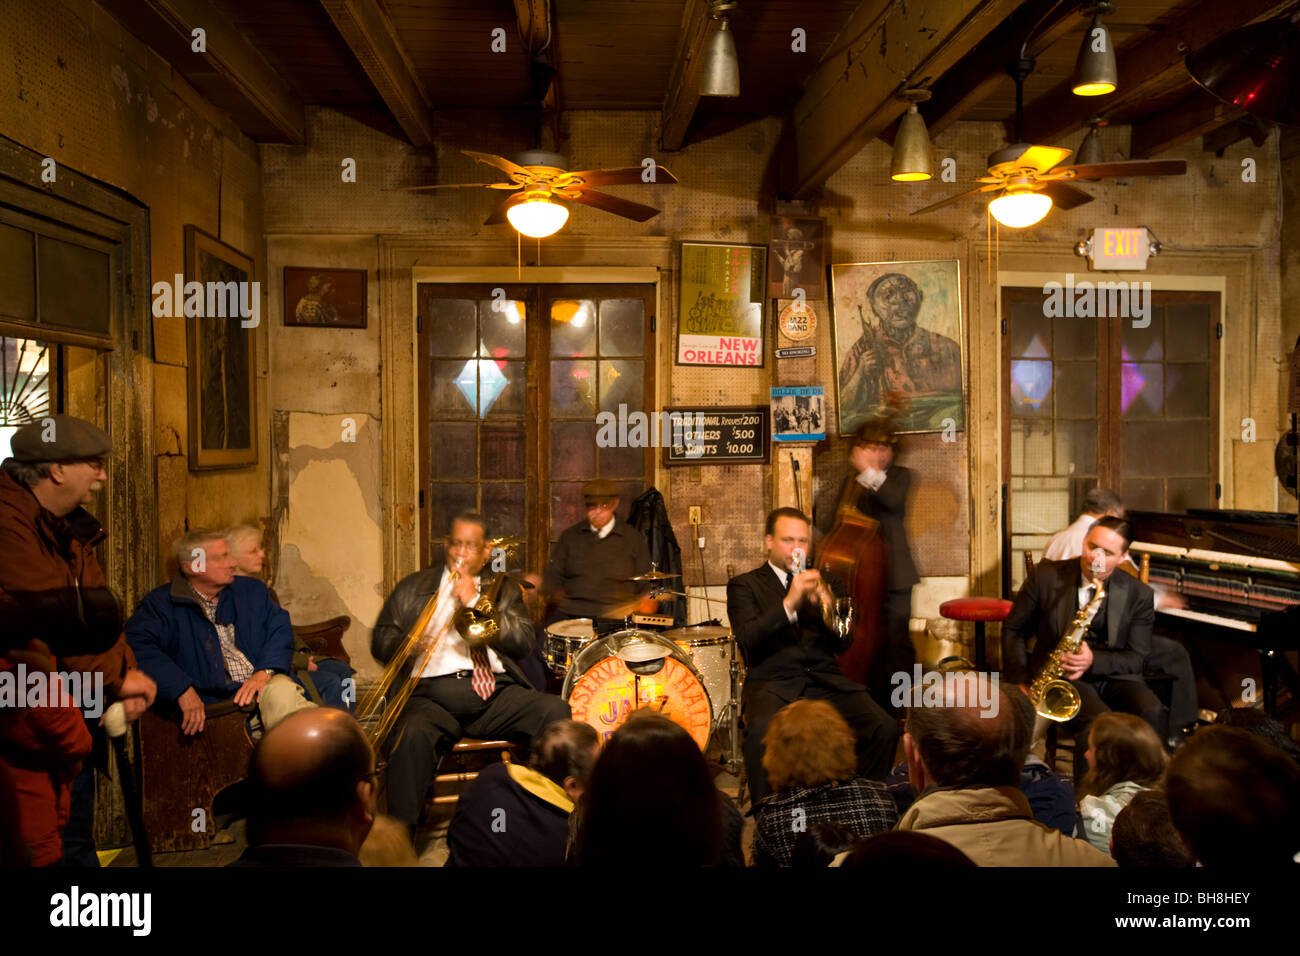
(1260, 724)
(810, 758)
(1124, 758)
(311, 792)
(903, 850)
(1144, 835)
(650, 801)
(964, 763)
(1233, 798)
(820, 844)
(513, 815)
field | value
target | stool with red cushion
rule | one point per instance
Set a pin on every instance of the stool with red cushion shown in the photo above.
(978, 610)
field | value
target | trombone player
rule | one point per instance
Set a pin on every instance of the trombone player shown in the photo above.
(462, 691)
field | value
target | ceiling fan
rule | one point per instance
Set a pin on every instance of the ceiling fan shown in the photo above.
(538, 179)
(1029, 179)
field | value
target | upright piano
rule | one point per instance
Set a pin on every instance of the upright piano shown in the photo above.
(1238, 573)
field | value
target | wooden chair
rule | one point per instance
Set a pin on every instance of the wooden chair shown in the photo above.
(466, 750)
(325, 639)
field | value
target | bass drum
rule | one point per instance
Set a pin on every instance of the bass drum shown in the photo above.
(621, 672)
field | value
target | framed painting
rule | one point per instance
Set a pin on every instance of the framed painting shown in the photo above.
(327, 298)
(798, 257)
(221, 353)
(723, 291)
(897, 332)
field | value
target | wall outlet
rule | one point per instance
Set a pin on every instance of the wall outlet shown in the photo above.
(694, 515)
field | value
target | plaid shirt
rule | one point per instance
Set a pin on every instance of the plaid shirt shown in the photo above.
(238, 667)
(864, 806)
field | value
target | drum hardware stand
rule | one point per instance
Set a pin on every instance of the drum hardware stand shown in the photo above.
(730, 716)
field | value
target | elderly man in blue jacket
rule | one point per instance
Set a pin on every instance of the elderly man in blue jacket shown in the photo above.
(210, 636)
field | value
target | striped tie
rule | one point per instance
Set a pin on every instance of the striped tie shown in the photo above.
(484, 681)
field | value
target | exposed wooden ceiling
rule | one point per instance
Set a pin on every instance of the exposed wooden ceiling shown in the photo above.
(403, 62)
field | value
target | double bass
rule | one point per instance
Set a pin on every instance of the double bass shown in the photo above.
(854, 551)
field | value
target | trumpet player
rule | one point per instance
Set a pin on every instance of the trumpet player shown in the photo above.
(1106, 669)
(463, 691)
(776, 614)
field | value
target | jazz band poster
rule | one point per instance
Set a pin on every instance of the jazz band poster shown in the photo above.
(897, 330)
(720, 304)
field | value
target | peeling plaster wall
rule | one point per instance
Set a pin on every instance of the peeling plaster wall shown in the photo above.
(87, 93)
(723, 194)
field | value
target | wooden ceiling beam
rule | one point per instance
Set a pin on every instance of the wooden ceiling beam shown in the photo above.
(980, 72)
(236, 62)
(684, 81)
(1195, 114)
(1144, 67)
(853, 96)
(370, 34)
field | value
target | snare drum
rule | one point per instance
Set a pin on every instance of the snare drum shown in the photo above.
(620, 672)
(564, 639)
(710, 649)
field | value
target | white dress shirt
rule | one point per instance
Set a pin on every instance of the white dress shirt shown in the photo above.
(453, 653)
(601, 532)
(872, 478)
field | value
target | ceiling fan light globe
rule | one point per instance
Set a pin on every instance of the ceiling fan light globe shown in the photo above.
(910, 162)
(537, 218)
(1021, 209)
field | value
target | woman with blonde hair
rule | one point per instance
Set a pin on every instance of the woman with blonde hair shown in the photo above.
(1124, 757)
(812, 765)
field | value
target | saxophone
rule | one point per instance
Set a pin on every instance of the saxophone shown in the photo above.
(1055, 697)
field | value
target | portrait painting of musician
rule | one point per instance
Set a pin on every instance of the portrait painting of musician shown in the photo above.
(1106, 670)
(897, 330)
(462, 691)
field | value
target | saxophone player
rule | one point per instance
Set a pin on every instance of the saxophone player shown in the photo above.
(1106, 669)
(463, 691)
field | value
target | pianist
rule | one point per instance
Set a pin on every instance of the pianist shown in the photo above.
(1107, 669)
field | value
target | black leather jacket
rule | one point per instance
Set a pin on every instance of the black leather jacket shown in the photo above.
(403, 607)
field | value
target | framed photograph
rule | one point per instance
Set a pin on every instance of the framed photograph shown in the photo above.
(333, 298)
(720, 304)
(897, 332)
(798, 413)
(221, 354)
(798, 258)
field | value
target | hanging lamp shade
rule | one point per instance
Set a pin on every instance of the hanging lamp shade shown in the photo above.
(1019, 209)
(1095, 73)
(1255, 69)
(721, 75)
(538, 217)
(911, 158)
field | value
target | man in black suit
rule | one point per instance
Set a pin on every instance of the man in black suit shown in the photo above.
(1107, 668)
(790, 652)
(462, 691)
(878, 488)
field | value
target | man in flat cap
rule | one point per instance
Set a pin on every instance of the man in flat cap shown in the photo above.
(594, 558)
(53, 592)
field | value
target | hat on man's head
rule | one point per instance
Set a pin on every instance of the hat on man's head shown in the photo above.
(600, 490)
(59, 438)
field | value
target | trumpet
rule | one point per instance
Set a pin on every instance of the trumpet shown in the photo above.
(838, 613)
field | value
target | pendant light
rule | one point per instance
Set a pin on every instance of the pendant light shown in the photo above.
(721, 75)
(1095, 73)
(910, 162)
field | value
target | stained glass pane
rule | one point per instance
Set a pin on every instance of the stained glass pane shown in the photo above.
(1031, 388)
(25, 380)
(453, 387)
(501, 328)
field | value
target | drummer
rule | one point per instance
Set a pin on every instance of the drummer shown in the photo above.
(593, 561)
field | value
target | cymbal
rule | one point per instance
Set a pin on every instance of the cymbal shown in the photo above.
(653, 576)
(507, 543)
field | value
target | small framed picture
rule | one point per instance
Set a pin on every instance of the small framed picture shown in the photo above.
(333, 298)
(797, 259)
(799, 413)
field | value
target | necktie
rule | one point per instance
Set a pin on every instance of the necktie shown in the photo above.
(484, 681)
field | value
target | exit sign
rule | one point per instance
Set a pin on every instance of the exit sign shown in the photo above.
(1115, 248)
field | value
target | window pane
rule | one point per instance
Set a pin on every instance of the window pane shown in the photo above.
(1076, 389)
(1142, 390)
(17, 273)
(453, 451)
(573, 327)
(1143, 494)
(74, 284)
(503, 506)
(573, 450)
(1188, 335)
(1031, 447)
(573, 389)
(447, 501)
(622, 383)
(1075, 338)
(1076, 448)
(502, 386)
(1039, 505)
(1187, 391)
(567, 507)
(452, 328)
(503, 451)
(453, 387)
(622, 327)
(501, 329)
(1031, 331)
(25, 366)
(1184, 493)
(1166, 448)
(1144, 345)
(1031, 388)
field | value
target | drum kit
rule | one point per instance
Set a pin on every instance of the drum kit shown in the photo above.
(692, 675)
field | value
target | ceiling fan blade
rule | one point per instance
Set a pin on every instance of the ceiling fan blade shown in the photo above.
(1064, 196)
(1043, 158)
(619, 207)
(463, 186)
(957, 198)
(620, 177)
(500, 162)
(1132, 167)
